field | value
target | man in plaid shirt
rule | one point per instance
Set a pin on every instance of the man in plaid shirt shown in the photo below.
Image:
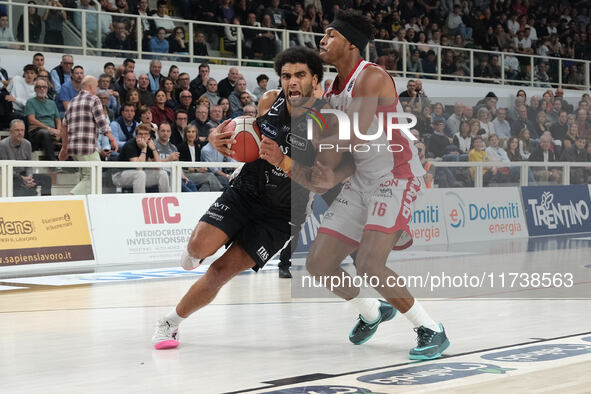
(83, 121)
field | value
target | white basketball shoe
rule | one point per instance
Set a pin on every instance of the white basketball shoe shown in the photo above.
(166, 335)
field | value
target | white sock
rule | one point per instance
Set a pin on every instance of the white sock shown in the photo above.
(173, 317)
(369, 308)
(418, 317)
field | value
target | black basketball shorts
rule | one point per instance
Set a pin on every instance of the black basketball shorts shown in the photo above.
(260, 231)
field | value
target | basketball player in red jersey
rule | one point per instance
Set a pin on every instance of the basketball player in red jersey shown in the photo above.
(372, 213)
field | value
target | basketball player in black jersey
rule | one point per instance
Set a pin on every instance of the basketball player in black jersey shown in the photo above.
(255, 215)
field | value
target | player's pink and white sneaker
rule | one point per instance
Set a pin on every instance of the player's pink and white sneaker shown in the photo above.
(166, 335)
(188, 262)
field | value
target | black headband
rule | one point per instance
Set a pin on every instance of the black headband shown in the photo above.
(352, 35)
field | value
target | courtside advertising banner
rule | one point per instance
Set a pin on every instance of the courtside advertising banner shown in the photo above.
(44, 230)
(553, 210)
(427, 224)
(483, 214)
(140, 228)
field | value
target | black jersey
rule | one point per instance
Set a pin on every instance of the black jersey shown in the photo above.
(270, 184)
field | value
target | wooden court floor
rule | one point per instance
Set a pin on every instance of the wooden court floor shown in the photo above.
(255, 337)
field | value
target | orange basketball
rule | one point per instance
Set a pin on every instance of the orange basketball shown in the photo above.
(248, 138)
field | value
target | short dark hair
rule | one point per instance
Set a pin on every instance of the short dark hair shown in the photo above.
(128, 104)
(107, 64)
(38, 54)
(180, 111)
(160, 28)
(105, 76)
(358, 21)
(161, 2)
(203, 65)
(300, 55)
(262, 77)
(127, 61)
(78, 66)
(30, 67)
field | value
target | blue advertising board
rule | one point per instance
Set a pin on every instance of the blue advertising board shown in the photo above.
(553, 210)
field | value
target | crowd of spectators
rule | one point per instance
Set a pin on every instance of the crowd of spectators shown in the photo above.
(542, 27)
(180, 111)
(536, 129)
(176, 112)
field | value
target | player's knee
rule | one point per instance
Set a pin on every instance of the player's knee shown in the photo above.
(198, 250)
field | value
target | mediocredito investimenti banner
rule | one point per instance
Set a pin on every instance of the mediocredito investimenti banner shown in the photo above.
(143, 228)
(39, 231)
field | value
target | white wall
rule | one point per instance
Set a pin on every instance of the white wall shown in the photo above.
(447, 92)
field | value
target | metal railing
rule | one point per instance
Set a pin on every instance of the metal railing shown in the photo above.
(480, 168)
(241, 51)
(101, 168)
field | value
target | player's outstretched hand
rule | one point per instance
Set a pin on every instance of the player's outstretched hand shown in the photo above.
(221, 139)
(323, 178)
(270, 151)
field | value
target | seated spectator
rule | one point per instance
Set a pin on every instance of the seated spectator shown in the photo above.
(438, 141)
(245, 101)
(104, 96)
(159, 43)
(44, 121)
(437, 114)
(249, 110)
(429, 64)
(186, 105)
(169, 152)
(522, 122)
(305, 35)
(173, 75)
(124, 126)
(485, 123)
(235, 103)
(6, 32)
(225, 104)
(190, 151)
(497, 154)
(145, 117)
(70, 89)
(215, 116)
(478, 154)
(226, 86)
(545, 154)
(571, 136)
(177, 43)
(155, 77)
(200, 45)
(463, 139)
(501, 126)
(261, 88)
(182, 85)
(21, 89)
(414, 65)
(210, 154)
(168, 87)
(577, 153)
(163, 20)
(200, 122)
(513, 149)
(141, 149)
(525, 144)
(541, 125)
(129, 82)
(160, 112)
(34, 25)
(104, 83)
(133, 97)
(211, 93)
(198, 85)
(119, 39)
(452, 126)
(143, 87)
(16, 147)
(266, 43)
(583, 125)
(177, 130)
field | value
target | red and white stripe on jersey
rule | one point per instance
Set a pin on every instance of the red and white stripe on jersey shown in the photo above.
(406, 163)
